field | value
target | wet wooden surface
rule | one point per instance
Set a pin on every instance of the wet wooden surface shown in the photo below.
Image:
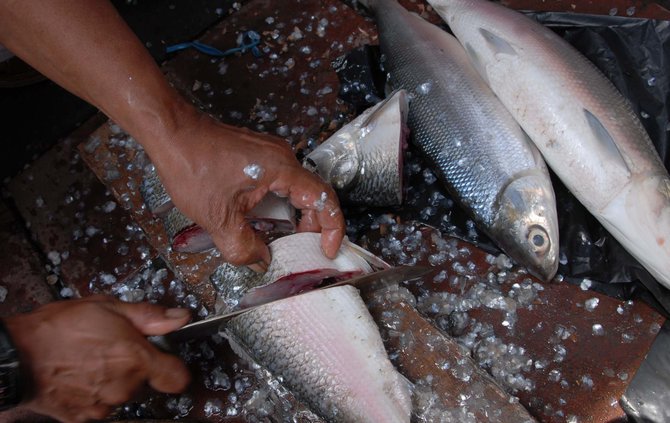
(292, 91)
(571, 358)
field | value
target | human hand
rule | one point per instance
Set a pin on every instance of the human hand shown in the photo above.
(82, 357)
(216, 173)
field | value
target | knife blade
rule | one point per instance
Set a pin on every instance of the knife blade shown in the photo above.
(367, 282)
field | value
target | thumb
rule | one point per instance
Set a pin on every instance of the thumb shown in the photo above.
(152, 319)
(241, 245)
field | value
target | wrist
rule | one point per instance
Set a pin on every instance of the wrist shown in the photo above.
(11, 386)
(156, 122)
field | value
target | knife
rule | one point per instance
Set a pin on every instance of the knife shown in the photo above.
(367, 282)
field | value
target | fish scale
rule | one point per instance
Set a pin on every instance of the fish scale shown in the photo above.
(587, 131)
(470, 140)
(344, 373)
(468, 118)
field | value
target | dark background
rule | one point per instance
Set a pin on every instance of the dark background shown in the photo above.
(36, 116)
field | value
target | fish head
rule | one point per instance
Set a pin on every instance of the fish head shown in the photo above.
(363, 160)
(527, 224)
(337, 160)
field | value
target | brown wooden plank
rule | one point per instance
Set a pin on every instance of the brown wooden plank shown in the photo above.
(75, 220)
(554, 323)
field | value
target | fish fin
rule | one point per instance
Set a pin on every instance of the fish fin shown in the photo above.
(606, 140)
(497, 44)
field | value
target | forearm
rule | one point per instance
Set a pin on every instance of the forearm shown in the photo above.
(86, 47)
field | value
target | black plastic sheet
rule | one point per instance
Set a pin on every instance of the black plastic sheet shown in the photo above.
(635, 55)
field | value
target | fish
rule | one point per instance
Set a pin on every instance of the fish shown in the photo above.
(363, 160)
(153, 193)
(324, 344)
(299, 265)
(586, 130)
(273, 214)
(472, 143)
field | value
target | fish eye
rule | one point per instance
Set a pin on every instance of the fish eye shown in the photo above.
(539, 239)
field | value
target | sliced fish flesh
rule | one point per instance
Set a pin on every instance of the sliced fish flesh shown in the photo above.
(297, 265)
(472, 143)
(363, 160)
(586, 130)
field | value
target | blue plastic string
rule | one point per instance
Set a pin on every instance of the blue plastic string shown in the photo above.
(250, 41)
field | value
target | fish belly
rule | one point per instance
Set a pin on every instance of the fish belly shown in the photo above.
(328, 350)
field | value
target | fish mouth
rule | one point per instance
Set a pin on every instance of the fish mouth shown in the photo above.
(526, 225)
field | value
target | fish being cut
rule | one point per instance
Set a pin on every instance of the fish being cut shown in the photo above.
(297, 265)
(324, 344)
(586, 130)
(363, 160)
(273, 214)
(473, 144)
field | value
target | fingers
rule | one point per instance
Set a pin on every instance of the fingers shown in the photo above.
(167, 373)
(308, 222)
(318, 202)
(240, 245)
(151, 319)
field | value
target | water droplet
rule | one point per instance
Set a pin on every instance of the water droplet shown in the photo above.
(254, 171)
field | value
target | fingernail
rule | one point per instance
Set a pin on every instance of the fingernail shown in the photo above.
(177, 313)
(259, 267)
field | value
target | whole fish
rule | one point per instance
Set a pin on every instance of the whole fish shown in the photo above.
(586, 130)
(324, 344)
(363, 160)
(472, 143)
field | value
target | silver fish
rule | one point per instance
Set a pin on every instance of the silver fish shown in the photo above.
(586, 130)
(324, 344)
(297, 264)
(363, 160)
(153, 193)
(472, 143)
